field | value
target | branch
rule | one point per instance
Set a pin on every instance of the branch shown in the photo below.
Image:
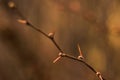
(51, 37)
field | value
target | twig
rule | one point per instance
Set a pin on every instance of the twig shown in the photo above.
(81, 55)
(51, 37)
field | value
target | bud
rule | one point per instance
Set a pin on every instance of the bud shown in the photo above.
(99, 75)
(11, 4)
(51, 35)
(80, 57)
(22, 21)
(60, 54)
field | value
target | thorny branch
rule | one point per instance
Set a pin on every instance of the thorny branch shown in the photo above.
(50, 36)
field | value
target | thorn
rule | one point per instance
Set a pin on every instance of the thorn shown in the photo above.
(22, 21)
(80, 55)
(56, 59)
(51, 35)
(11, 4)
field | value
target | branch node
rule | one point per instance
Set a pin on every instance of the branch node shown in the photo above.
(62, 54)
(80, 57)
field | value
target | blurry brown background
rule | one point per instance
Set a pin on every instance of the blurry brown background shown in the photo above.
(27, 55)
